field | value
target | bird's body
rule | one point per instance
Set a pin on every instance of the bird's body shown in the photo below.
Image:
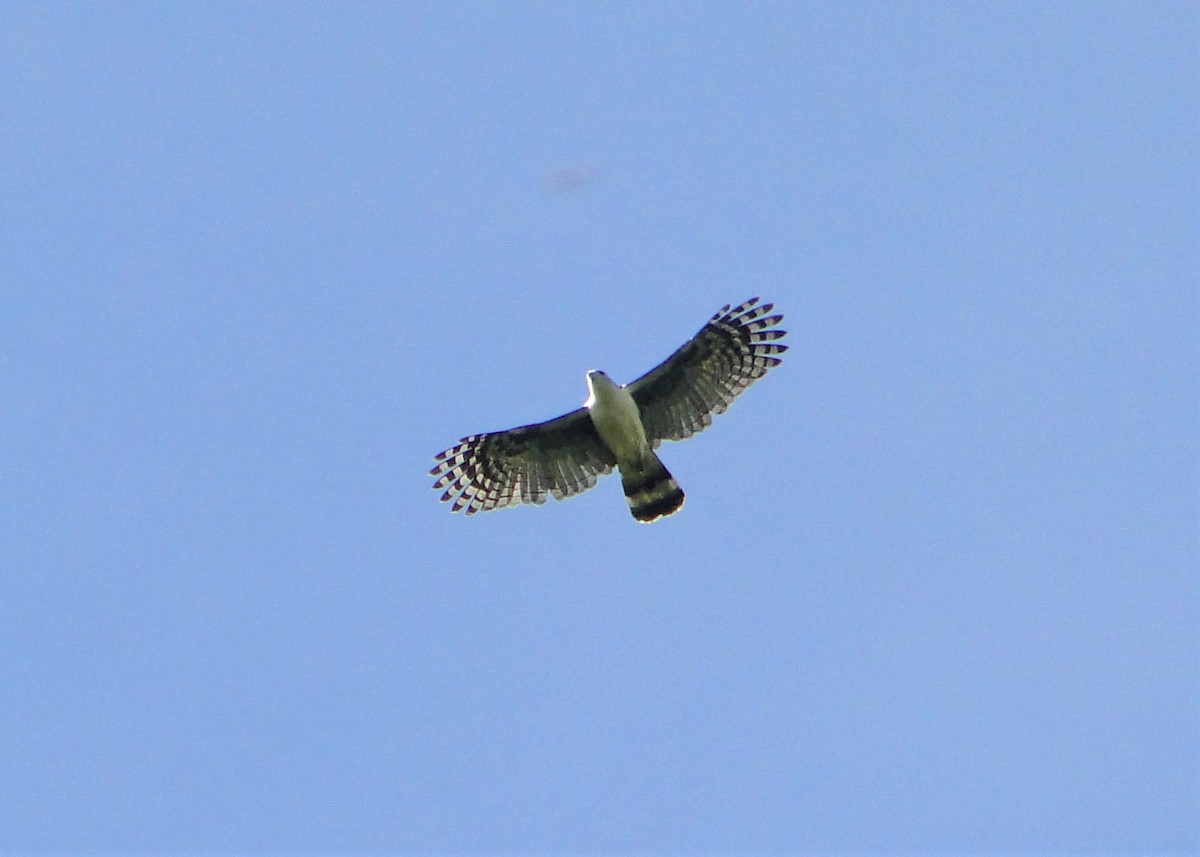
(615, 415)
(619, 426)
(649, 488)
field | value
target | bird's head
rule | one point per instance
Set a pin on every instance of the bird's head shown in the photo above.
(597, 380)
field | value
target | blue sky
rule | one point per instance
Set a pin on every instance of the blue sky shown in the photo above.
(935, 586)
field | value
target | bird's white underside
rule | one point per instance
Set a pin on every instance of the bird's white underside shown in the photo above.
(616, 417)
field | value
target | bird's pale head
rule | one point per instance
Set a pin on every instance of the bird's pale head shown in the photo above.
(597, 380)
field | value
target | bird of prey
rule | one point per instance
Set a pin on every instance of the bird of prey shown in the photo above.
(618, 426)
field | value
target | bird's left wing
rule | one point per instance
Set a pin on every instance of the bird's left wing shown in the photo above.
(735, 348)
(560, 457)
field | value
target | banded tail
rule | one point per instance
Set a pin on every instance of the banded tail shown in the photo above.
(650, 489)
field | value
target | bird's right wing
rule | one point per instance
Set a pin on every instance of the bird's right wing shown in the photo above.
(736, 347)
(560, 457)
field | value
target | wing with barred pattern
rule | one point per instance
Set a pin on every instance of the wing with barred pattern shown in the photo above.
(560, 457)
(680, 396)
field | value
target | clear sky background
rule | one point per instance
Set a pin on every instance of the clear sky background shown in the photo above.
(935, 586)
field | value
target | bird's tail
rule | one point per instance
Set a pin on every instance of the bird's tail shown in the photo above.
(650, 489)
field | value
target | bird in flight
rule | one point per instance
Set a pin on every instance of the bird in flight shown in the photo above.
(618, 426)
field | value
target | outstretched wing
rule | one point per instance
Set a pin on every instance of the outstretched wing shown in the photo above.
(561, 457)
(680, 396)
